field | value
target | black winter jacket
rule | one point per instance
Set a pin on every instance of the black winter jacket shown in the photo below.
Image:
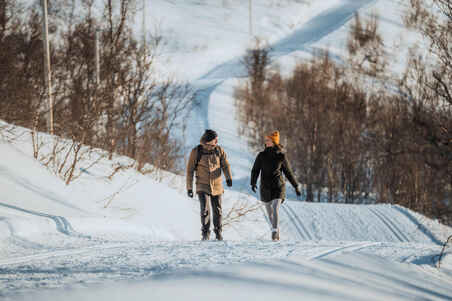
(271, 164)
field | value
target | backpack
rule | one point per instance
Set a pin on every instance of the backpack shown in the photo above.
(200, 152)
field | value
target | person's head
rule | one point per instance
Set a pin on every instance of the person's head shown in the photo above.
(272, 139)
(209, 137)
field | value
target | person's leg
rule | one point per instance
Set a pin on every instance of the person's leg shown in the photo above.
(275, 204)
(204, 201)
(217, 215)
(268, 207)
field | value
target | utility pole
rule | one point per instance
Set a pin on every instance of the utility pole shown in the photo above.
(97, 52)
(144, 23)
(251, 18)
(48, 74)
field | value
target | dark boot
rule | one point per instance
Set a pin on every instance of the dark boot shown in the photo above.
(275, 235)
(218, 235)
(205, 235)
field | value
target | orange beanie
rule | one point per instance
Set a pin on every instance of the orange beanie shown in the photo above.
(274, 137)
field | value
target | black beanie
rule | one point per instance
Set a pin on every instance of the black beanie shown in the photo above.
(208, 136)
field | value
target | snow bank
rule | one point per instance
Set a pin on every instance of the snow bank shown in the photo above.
(36, 204)
(347, 277)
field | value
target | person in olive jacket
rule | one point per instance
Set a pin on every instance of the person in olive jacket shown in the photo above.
(208, 160)
(271, 164)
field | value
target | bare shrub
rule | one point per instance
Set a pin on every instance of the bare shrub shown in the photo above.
(443, 251)
(126, 109)
(239, 209)
(366, 48)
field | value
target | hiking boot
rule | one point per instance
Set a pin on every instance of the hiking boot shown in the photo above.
(275, 235)
(218, 235)
(205, 235)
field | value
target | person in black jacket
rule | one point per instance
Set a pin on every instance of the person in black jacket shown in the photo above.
(271, 164)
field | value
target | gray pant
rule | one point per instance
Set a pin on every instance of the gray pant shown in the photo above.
(273, 212)
(210, 205)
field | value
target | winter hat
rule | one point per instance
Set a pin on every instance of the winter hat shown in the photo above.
(274, 136)
(208, 136)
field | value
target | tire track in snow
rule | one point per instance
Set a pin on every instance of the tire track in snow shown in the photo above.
(60, 253)
(17, 240)
(299, 231)
(350, 247)
(433, 272)
(419, 225)
(308, 235)
(390, 225)
(62, 224)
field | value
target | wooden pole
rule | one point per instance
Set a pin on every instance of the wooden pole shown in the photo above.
(144, 23)
(48, 74)
(97, 52)
(251, 18)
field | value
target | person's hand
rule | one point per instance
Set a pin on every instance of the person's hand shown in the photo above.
(254, 188)
(297, 191)
(190, 193)
(229, 183)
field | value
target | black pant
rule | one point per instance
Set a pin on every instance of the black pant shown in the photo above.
(210, 204)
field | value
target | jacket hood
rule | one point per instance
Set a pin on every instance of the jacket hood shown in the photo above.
(278, 148)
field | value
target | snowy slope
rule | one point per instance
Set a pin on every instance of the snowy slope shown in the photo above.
(31, 195)
(98, 231)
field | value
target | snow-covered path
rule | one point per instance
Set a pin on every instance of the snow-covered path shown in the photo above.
(315, 237)
(144, 260)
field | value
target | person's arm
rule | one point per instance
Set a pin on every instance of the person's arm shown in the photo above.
(255, 171)
(287, 170)
(191, 169)
(225, 166)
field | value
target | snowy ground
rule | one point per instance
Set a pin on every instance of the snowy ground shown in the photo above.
(135, 237)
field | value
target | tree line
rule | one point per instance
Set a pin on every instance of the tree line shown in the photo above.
(356, 132)
(125, 109)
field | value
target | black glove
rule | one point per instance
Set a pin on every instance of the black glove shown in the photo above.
(254, 188)
(297, 191)
(229, 182)
(190, 193)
